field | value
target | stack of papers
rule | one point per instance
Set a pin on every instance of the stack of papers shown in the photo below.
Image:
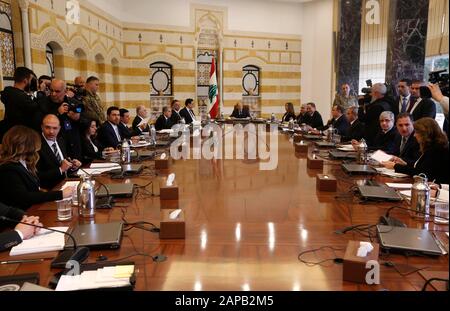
(443, 195)
(346, 148)
(107, 277)
(99, 168)
(390, 173)
(166, 131)
(70, 184)
(45, 241)
(141, 144)
(380, 156)
(399, 185)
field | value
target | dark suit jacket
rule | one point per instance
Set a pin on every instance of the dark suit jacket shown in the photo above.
(135, 127)
(385, 142)
(340, 124)
(163, 124)
(288, 116)
(20, 188)
(88, 151)
(70, 131)
(176, 117)
(355, 131)
(411, 151)
(433, 163)
(107, 136)
(48, 166)
(301, 118)
(397, 105)
(184, 113)
(20, 109)
(315, 121)
(244, 113)
(126, 132)
(10, 212)
(425, 108)
(371, 117)
(9, 239)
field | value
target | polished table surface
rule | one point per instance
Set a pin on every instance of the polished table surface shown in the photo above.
(246, 227)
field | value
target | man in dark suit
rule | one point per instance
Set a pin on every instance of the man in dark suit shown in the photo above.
(405, 101)
(239, 112)
(21, 232)
(187, 112)
(53, 165)
(123, 125)
(386, 137)
(356, 129)
(164, 121)
(313, 117)
(406, 147)
(141, 114)
(370, 114)
(109, 133)
(70, 131)
(19, 107)
(176, 117)
(338, 121)
(57, 102)
(423, 107)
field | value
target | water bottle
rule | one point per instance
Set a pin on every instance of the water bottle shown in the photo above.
(125, 152)
(153, 134)
(361, 152)
(291, 124)
(420, 196)
(86, 198)
(330, 133)
(272, 118)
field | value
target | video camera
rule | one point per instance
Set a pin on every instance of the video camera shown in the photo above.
(78, 91)
(440, 78)
(367, 91)
(75, 105)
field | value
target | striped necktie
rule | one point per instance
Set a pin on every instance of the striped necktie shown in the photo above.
(55, 151)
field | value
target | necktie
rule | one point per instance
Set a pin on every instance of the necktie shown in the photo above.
(55, 151)
(404, 104)
(402, 145)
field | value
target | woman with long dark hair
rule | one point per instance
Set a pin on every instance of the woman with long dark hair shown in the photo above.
(433, 160)
(19, 184)
(290, 113)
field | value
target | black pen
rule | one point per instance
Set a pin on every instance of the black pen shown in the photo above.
(21, 261)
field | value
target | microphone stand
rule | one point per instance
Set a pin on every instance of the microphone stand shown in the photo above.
(78, 254)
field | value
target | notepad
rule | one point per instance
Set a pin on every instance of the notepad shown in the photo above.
(45, 241)
(107, 277)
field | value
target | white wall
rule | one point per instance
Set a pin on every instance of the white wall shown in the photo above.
(243, 15)
(317, 42)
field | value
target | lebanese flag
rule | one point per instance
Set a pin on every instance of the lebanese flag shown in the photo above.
(213, 92)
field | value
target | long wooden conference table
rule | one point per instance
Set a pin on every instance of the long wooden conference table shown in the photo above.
(245, 229)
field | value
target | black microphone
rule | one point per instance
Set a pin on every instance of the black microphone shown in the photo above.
(393, 222)
(78, 254)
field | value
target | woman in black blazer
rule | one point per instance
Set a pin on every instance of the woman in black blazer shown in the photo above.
(433, 161)
(19, 184)
(90, 146)
(290, 113)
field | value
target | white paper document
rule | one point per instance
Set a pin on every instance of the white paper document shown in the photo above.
(107, 277)
(390, 173)
(166, 131)
(346, 148)
(380, 156)
(70, 184)
(443, 195)
(144, 121)
(45, 241)
(398, 185)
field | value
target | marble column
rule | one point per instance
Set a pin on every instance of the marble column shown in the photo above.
(407, 35)
(23, 4)
(349, 43)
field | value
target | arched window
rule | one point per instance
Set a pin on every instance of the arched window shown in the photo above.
(161, 79)
(50, 60)
(7, 42)
(250, 80)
